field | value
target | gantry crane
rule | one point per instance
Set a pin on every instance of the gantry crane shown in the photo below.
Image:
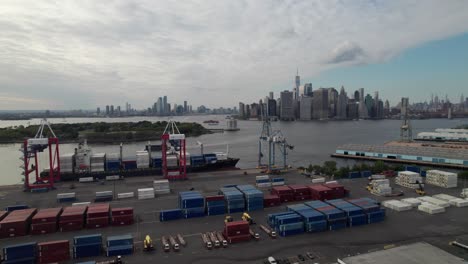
(176, 140)
(31, 149)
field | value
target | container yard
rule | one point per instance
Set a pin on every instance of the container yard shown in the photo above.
(348, 214)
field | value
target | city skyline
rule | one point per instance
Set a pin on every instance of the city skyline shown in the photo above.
(73, 55)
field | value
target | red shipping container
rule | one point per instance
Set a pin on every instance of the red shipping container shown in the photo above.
(320, 192)
(71, 225)
(122, 211)
(281, 190)
(122, 220)
(98, 210)
(44, 228)
(302, 197)
(239, 238)
(3, 214)
(284, 198)
(300, 190)
(53, 246)
(46, 215)
(214, 198)
(270, 200)
(73, 213)
(16, 223)
(236, 228)
(337, 189)
(97, 222)
(55, 258)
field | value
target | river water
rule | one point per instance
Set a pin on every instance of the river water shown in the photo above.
(313, 141)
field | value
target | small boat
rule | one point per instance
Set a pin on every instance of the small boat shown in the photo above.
(211, 122)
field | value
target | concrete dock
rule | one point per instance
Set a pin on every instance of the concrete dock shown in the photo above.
(399, 228)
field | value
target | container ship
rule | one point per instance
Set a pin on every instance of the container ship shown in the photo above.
(148, 162)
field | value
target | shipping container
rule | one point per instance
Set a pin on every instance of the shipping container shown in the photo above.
(338, 190)
(97, 222)
(270, 200)
(88, 239)
(98, 210)
(16, 223)
(122, 211)
(122, 240)
(119, 250)
(171, 214)
(320, 192)
(47, 215)
(122, 220)
(87, 250)
(43, 228)
(12, 208)
(20, 251)
(73, 213)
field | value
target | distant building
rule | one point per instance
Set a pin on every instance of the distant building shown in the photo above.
(247, 111)
(332, 102)
(362, 106)
(320, 104)
(298, 83)
(107, 110)
(356, 96)
(342, 104)
(241, 110)
(404, 106)
(369, 103)
(386, 108)
(306, 108)
(287, 106)
(271, 96)
(308, 89)
(112, 110)
(98, 111)
(352, 110)
(165, 108)
(185, 107)
(118, 110)
(254, 110)
(271, 107)
(160, 109)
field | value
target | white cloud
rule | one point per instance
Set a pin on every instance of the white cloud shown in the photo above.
(87, 53)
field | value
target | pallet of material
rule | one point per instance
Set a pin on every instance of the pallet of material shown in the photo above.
(125, 195)
(397, 205)
(444, 197)
(459, 202)
(434, 201)
(430, 208)
(441, 178)
(414, 202)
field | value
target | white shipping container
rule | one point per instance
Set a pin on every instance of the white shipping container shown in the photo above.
(113, 178)
(145, 196)
(66, 195)
(262, 177)
(414, 202)
(430, 208)
(125, 195)
(86, 179)
(442, 178)
(80, 204)
(263, 184)
(397, 205)
(318, 180)
(145, 190)
(277, 183)
(444, 197)
(459, 202)
(434, 201)
(162, 191)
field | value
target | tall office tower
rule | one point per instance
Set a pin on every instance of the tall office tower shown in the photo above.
(306, 108)
(377, 109)
(352, 110)
(247, 111)
(380, 113)
(369, 103)
(241, 110)
(332, 102)
(160, 106)
(342, 104)
(363, 113)
(98, 111)
(462, 100)
(271, 108)
(404, 107)
(112, 110)
(298, 83)
(320, 104)
(271, 96)
(307, 89)
(386, 108)
(165, 108)
(118, 110)
(185, 107)
(356, 96)
(287, 106)
(127, 108)
(107, 110)
(432, 99)
(254, 110)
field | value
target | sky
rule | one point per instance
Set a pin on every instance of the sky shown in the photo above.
(71, 54)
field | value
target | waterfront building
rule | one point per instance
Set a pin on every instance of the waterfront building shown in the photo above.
(320, 104)
(241, 110)
(342, 104)
(287, 106)
(362, 106)
(306, 108)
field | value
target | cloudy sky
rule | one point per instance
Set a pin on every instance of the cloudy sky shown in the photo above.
(82, 54)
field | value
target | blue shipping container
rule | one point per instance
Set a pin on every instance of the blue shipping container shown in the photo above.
(123, 240)
(87, 250)
(173, 214)
(19, 251)
(88, 239)
(316, 226)
(12, 208)
(291, 232)
(21, 261)
(120, 250)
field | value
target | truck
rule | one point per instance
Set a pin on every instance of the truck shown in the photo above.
(207, 241)
(221, 238)
(214, 239)
(254, 235)
(165, 244)
(174, 244)
(181, 240)
(269, 232)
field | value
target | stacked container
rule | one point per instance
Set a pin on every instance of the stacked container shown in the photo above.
(338, 190)
(263, 181)
(285, 193)
(270, 200)
(161, 187)
(197, 161)
(235, 202)
(301, 192)
(236, 231)
(122, 216)
(371, 207)
(67, 162)
(441, 178)
(210, 158)
(156, 162)
(53, 251)
(112, 162)
(98, 215)
(314, 221)
(145, 193)
(119, 245)
(356, 215)
(171, 214)
(287, 224)
(321, 192)
(45, 221)
(3, 214)
(142, 159)
(87, 246)
(336, 218)
(16, 223)
(66, 197)
(72, 218)
(129, 163)
(192, 204)
(104, 196)
(97, 162)
(20, 253)
(215, 205)
(277, 181)
(253, 197)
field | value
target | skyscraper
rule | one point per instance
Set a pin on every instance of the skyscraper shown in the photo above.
(386, 108)
(287, 106)
(98, 111)
(320, 104)
(306, 108)
(160, 106)
(165, 108)
(404, 107)
(298, 83)
(107, 110)
(271, 107)
(112, 110)
(241, 110)
(342, 104)
(308, 89)
(271, 96)
(362, 106)
(332, 102)
(185, 107)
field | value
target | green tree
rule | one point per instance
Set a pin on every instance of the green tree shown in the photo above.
(379, 166)
(329, 167)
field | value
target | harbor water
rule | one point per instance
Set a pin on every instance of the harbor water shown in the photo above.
(313, 141)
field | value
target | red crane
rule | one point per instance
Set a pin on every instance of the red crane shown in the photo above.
(32, 147)
(176, 140)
